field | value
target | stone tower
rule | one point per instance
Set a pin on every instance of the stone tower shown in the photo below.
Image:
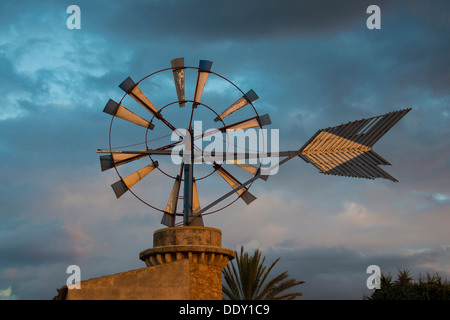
(185, 263)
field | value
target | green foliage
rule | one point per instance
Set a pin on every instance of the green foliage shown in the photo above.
(431, 287)
(247, 279)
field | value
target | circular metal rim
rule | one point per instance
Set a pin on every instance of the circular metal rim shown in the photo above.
(157, 72)
(151, 120)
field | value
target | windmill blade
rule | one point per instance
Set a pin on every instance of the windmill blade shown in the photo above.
(117, 159)
(203, 73)
(130, 87)
(241, 102)
(115, 109)
(234, 183)
(249, 123)
(178, 78)
(197, 219)
(247, 167)
(346, 150)
(123, 185)
(168, 218)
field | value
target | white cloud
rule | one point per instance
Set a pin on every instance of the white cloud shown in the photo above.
(54, 63)
(82, 243)
(6, 294)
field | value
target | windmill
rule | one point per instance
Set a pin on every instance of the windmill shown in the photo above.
(343, 150)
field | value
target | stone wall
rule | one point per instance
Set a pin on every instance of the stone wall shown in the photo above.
(185, 264)
(205, 282)
(168, 282)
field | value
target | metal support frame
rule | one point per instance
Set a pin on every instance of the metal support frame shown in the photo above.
(188, 186)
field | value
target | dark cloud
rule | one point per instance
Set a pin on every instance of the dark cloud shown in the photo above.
(340, 273)
(244, 21)
(36, 244)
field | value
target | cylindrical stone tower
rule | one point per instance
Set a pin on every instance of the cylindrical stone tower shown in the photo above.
(201, 248)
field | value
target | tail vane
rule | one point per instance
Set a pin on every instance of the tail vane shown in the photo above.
(347, 149)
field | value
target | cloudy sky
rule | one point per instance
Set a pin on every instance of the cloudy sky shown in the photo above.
(314, 64)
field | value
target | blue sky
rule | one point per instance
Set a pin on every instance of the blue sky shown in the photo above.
(314, 64)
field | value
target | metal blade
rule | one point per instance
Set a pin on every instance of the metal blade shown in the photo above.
(203, 73)
(244, 124)
(115, 109)
(241, 102)
(251, 180)
(248, 167)
(234, 183)
(114, 160)
(249, 123)
(168, 218)
(130, 87)
(178, 77)
(123, 185)
(197, 219)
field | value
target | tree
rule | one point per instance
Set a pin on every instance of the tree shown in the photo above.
(431, 287)
(247, 279)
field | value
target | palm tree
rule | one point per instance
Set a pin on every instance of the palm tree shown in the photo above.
(247, 280)
(433, 287)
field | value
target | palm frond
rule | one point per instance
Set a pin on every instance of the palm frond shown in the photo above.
(246, 278)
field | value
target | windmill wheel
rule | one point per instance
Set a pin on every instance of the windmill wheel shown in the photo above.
(167, 129)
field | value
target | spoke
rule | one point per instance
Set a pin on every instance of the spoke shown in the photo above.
(242, 185)
(191, 117)
(137, 152)
(247, 167)
(232, 156)
(208, 156)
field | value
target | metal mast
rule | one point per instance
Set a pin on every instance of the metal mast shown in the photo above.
(188, 183)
